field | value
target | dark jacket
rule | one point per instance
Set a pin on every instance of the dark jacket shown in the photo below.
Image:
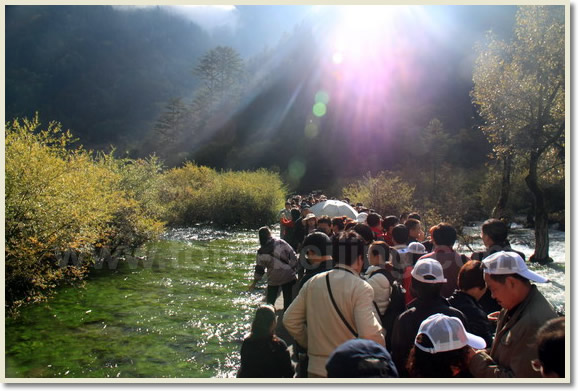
(475, 314)
(514, 346)
(407, 326)
(263, 357)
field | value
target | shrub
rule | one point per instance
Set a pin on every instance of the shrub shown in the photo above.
(198, 194)
(387, 193)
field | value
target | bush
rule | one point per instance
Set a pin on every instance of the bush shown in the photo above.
(386, 193)
(198, 194)
(60, 198)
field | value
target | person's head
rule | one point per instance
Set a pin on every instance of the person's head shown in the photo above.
(388, 223)
(415, 230)
(508, 278)
(305, 209)
(287, 205)
(471, 279)
(551, 344)
(317, 247)
(265, 321)
(324, 224)
(358, 358)
(349, 249)
(441, 347)
(494, 231)
(403, 217)
(378, 253)
(417, 250)
(338, 224)
(400, 234)
(414, 215)
(295, 214)
(427, 279)
(365, 232)
(373, 220)
(444, 234)
(310, 220)
(264, 235)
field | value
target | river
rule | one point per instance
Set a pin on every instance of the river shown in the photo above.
(181, 309)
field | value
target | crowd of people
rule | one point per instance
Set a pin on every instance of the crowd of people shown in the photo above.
(375, 297)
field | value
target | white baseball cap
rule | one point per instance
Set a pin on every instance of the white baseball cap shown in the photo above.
(416, 248)
(429, 268)
(509, 262)
(447, 333)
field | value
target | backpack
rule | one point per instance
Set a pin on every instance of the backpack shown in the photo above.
(396, 304)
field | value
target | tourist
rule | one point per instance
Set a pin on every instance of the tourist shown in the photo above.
(444, 237)
(263, 354)
(334, 306)
(310, 222)
(277, 258)
(387, 224)
(441, 348)
(284, 216)
(374, 223)
(399, 257)
(427, 282)
(359, 358)
(324, 225)
(495, 237)
(317, 256)
(471, 287)
(551, 349)
(415, 230)
(338, 225)
(524, 311)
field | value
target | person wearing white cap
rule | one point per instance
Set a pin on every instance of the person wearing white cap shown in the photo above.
(441, 348)
(427, 282)
(524, 311)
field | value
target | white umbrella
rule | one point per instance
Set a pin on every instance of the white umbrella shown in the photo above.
(333, 208)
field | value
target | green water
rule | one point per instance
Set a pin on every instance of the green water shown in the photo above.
(181, 313)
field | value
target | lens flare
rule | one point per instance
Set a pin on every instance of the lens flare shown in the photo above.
(297, 169)
(319, 109)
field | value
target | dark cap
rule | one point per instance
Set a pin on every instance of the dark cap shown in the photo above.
(318, 242)
(360, 358)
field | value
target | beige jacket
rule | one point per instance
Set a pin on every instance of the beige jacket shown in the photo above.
(514, 346)
(314, 323)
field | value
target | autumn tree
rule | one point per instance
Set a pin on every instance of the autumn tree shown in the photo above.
(519, 89)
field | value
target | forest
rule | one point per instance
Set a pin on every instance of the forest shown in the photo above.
(469, 123)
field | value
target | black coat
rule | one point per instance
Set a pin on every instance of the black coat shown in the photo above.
(475, 314)
(263, 357)
(407, 326)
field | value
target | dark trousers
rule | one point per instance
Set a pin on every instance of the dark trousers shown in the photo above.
(273, 291)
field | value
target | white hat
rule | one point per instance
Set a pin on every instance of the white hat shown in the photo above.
(309, 216)
(362, 217)
(447, 333)
(428, 267)
(509, 262)
(416, 248)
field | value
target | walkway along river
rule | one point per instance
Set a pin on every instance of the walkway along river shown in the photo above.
(180, 310)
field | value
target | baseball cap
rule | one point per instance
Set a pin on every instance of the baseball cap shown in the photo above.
(509, 262)
(429, 271)
(360, 358)
(447, 333)
(416, 248)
